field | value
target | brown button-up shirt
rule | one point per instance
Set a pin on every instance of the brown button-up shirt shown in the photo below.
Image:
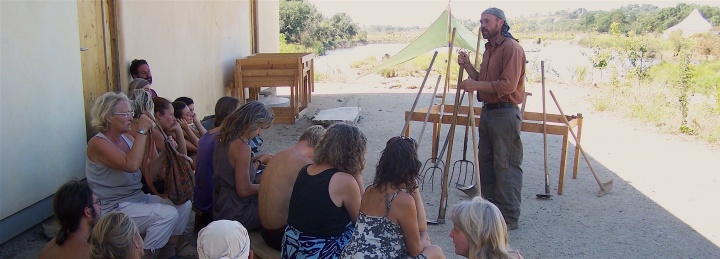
(503, 65)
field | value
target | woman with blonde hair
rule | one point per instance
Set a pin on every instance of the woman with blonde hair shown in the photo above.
(325, 200)
(480, 232)
(115, 236)
(112, 168)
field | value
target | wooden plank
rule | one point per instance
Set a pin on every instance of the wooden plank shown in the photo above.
(268, 78)
(93, 57)
(270, 72)
(556, 118)
(268, 61)
(553, 129)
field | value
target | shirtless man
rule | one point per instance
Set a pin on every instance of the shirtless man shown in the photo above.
(278, 181)
(77, 210)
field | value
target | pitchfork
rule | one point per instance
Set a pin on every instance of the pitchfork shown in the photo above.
(464, 165)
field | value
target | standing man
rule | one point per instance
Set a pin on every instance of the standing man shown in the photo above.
(500, 84)
(139, 68)
(277, 184)
(77, 210)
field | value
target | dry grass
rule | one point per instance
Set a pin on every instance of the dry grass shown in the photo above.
(656, 104)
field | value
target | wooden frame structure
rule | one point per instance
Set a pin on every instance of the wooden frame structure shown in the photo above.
(294, 70)
(532, 122)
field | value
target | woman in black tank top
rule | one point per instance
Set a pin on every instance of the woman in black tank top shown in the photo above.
(326, 196)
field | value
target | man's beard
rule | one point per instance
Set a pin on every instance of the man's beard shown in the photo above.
(488, 35)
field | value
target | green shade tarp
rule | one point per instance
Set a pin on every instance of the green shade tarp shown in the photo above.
(435, 36)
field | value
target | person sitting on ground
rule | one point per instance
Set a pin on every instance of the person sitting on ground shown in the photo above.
(139, 68)
(112, 170)
(277, 184)
(224, 239)
(235, 194)
(166, 122)
(209, 123)
(139, 83)
(204, 183)
(392, 221)
(77, 210)
(193, 120)
(116, 237)
(325, 200)
(479, 231)
(181, 112)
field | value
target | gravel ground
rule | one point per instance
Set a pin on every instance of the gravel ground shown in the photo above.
(664, 202)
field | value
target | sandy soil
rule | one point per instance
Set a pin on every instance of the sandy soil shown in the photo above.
(664, 202)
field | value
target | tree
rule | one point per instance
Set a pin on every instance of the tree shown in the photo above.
(298, 21)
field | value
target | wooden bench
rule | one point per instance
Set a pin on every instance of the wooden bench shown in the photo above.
(532, 122)
(259, 248)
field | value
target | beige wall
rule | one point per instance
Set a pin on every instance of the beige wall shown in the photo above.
(191, 46)
(268, 26)
(42, 123)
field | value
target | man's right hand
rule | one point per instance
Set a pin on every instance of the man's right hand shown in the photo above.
(462, 59)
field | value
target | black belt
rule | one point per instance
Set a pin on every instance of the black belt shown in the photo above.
(493, 106)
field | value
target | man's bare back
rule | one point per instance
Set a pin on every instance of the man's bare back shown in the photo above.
(72, 248)
(277, 183)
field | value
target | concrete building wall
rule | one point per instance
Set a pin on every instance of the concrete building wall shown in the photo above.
(191, 46)
(42, 123)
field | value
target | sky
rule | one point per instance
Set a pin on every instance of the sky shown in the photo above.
(423, 12)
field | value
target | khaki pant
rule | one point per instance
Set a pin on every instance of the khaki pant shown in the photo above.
(158, 218)
(500, 152)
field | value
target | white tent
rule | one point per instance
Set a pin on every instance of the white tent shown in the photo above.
(693, 23)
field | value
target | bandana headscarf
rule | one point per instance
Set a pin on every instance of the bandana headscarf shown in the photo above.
(223, 239)
(505, 30)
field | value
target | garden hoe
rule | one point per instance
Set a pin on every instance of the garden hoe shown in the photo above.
(545, 195)
(604, 187)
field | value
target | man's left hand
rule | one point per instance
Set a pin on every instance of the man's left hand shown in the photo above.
(469, 85)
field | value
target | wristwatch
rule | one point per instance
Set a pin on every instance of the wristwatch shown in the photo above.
(142, 132)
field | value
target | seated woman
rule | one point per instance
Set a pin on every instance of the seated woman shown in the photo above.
(192, 120)
(224, 239)
(139, 83)
(112, 171)
(115, 236)
(235, 194)
(162, 109)
(325, 200)
(182, 114)
(392, 220)
(204, 183)
(479, 231)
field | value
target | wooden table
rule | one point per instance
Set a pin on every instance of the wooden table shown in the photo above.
(294, 70)
(532, 122)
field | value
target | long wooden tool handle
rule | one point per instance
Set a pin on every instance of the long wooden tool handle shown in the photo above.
(577, 142)
(451, 133)
(545, 148)
(422, 86)
(427, 115)
(471, 104)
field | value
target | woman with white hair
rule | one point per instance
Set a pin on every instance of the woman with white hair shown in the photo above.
(224, 239)
(113, 172)
(479, 231)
